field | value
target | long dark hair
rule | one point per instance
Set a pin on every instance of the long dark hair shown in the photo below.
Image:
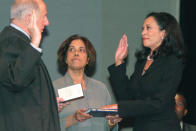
(172, 44)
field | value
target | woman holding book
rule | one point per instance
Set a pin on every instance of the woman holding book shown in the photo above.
(76, 56)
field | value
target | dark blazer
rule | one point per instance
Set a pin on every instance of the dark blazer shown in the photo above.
(27, 99)
(149, 98)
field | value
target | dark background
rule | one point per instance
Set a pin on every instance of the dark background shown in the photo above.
(188, 85)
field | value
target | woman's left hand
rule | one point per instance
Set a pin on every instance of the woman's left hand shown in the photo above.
(113, 120)
(61, 103)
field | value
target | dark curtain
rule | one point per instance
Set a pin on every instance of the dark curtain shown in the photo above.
(188, 85)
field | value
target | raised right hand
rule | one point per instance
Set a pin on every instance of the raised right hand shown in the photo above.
(33, 29)
(122, 50)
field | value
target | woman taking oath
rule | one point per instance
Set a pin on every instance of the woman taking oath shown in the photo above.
(148, 95)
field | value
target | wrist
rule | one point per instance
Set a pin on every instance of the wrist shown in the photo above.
(117, 63)
(36, 40)
(36, 44)
(75, 116)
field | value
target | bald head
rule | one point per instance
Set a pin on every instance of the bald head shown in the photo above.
(21, 8)
(22, 14)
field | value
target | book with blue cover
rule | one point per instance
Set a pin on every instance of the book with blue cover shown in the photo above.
(101, 112)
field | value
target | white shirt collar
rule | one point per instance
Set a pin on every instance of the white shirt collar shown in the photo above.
(20, 29)
(181, 124)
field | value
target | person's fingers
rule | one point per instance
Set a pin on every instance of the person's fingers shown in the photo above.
(82, 110)
(61, 104)
(81, 115)
(114, 119)
(109, 116)
(125, 41)
(60, 99)
(66, 103)
(120, 43)
(33, 17)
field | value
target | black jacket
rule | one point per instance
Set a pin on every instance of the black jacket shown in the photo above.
(149, 98)
(27, 99)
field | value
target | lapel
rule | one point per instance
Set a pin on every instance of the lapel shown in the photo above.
(157, 62)
(18, 33)
(68, 80)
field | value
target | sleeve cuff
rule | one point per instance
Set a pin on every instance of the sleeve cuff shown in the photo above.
(38, 49)
(117, 70)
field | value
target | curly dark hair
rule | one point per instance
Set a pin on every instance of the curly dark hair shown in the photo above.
(172, 44)
(62, 53)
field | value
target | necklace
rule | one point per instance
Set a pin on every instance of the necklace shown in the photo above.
(149, 58)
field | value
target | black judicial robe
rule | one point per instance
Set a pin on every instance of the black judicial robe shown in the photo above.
(27, 99)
